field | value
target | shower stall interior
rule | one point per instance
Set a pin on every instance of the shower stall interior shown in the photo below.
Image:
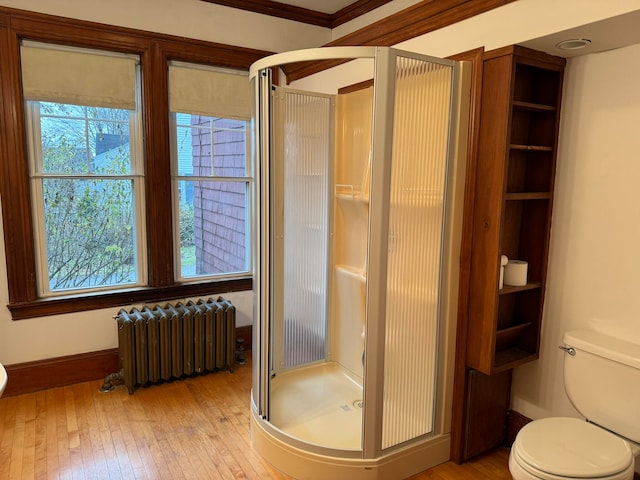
(359, 184)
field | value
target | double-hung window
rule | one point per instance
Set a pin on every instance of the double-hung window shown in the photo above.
(86, 171)
(210, 113)
(126, 178)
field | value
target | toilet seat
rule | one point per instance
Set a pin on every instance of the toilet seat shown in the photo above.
(569, 448)
(520, 470)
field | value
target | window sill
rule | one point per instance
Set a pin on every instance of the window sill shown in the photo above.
(94, 301)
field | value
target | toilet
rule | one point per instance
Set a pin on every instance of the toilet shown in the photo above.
(602, 381)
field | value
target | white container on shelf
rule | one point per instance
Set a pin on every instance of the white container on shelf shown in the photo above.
(515, 273)
(503, 263)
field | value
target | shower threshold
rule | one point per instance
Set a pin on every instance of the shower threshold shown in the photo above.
(319, 404)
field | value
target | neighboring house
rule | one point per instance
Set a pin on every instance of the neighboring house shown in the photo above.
(220, 212)
(219, 208)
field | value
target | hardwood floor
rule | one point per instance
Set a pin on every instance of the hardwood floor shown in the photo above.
(192, 429)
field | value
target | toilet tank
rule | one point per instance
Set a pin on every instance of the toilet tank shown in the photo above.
(602, 380)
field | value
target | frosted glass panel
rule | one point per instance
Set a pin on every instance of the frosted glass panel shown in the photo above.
(420, 138)
(307, 144)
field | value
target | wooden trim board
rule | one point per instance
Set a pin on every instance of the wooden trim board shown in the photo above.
(57, 372)
(515, 421)
(61, 371)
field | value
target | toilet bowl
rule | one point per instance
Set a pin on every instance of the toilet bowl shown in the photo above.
(568, 448)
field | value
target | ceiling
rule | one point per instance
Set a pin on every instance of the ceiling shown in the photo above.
(325, 13)
(608, 34)
(325, 6)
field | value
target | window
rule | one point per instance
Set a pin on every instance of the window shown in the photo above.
(85, 168)
(108, 95)
(211, 174)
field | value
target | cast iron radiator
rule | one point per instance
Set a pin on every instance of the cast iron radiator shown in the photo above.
(173, 341)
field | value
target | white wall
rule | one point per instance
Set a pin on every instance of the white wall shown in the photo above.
(594, 261)
(54, 336)
(514, 23)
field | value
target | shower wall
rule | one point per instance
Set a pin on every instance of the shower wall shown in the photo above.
(352, 164)
(414, 251)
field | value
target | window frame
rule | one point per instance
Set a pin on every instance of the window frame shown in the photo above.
(155, 51)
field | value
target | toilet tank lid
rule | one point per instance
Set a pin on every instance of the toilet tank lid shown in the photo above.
(603, 345)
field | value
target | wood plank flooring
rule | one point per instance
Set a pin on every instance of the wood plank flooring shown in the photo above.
(192, 429)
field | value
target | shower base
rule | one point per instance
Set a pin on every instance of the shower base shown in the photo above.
(320, 405)
(315, 429)
(307, 461)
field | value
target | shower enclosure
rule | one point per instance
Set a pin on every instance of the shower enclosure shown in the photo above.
(359, 185)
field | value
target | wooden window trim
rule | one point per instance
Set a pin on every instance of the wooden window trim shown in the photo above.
(155, 50)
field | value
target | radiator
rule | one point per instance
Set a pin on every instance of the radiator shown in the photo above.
(173, 341)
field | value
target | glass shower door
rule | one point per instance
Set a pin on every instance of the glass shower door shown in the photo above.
(301, 222)
(415, 246)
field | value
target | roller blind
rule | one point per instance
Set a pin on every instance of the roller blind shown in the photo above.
(78, 76)
(207, 91)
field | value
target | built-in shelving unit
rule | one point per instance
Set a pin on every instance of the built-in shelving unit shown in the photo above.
(512, 213)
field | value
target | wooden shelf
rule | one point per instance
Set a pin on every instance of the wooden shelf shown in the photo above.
(534, 107)
(511, 357)
(507, 289)
(531, 148)
(510, 336)
(528, 196)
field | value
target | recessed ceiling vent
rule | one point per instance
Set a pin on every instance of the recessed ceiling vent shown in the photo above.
(573, 44)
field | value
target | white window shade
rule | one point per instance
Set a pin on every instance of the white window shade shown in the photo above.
(209, 92)
(79, 77)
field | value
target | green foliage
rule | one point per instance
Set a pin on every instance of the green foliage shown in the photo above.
(187, 230)
(89, 222)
